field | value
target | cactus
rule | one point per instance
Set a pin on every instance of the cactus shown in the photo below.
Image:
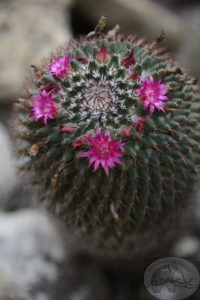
(112, 133)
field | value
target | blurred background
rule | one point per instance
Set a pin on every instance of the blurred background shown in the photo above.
(29, 31)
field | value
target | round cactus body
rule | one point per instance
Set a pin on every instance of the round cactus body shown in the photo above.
(113, 133)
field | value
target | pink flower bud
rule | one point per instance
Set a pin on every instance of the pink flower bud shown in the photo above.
(126, 132)
(128, 60)
(140, 124)
(80, 142)
(103, 55)
(66, 129)
(51, 88)
(133, 76)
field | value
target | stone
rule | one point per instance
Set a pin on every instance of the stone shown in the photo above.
(31, 247)
(8, 178)
(189, 246)
(29, 31)
(42, 260)
(189, 54)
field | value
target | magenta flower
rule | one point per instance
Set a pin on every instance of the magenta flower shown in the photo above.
(103, 55)
(104, 151)
(60, 67)
(152, 94)
(44, 106)
(128, 60)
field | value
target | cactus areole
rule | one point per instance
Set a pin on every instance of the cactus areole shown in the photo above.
(112, 131)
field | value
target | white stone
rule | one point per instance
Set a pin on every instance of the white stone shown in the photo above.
(187, 246)
(8, 174)
(30, 247)
(29, 31)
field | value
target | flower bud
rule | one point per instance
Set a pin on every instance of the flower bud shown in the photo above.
(140, 124)
(103, 55)
(126, 132)
(66, 129)
(129, 60)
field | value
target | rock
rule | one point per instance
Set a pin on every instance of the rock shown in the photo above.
(31, 248)
(29, 31)
(188, 246)
(82, 277)
(8, 178)
(41, 260)
(189, 54)
(15, 191)
(175, 3)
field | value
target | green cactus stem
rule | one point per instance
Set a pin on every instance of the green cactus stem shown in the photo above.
(112, 131)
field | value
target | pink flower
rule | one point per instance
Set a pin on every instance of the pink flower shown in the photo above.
(44, 106)
(152, 94)
(60, 67)
(104, 151)
(103, 55)
(128, 60)
(140, 124)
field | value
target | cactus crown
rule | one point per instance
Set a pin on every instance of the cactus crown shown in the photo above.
(112, 131)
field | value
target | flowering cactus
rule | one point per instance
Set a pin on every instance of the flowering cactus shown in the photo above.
(112, 131)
